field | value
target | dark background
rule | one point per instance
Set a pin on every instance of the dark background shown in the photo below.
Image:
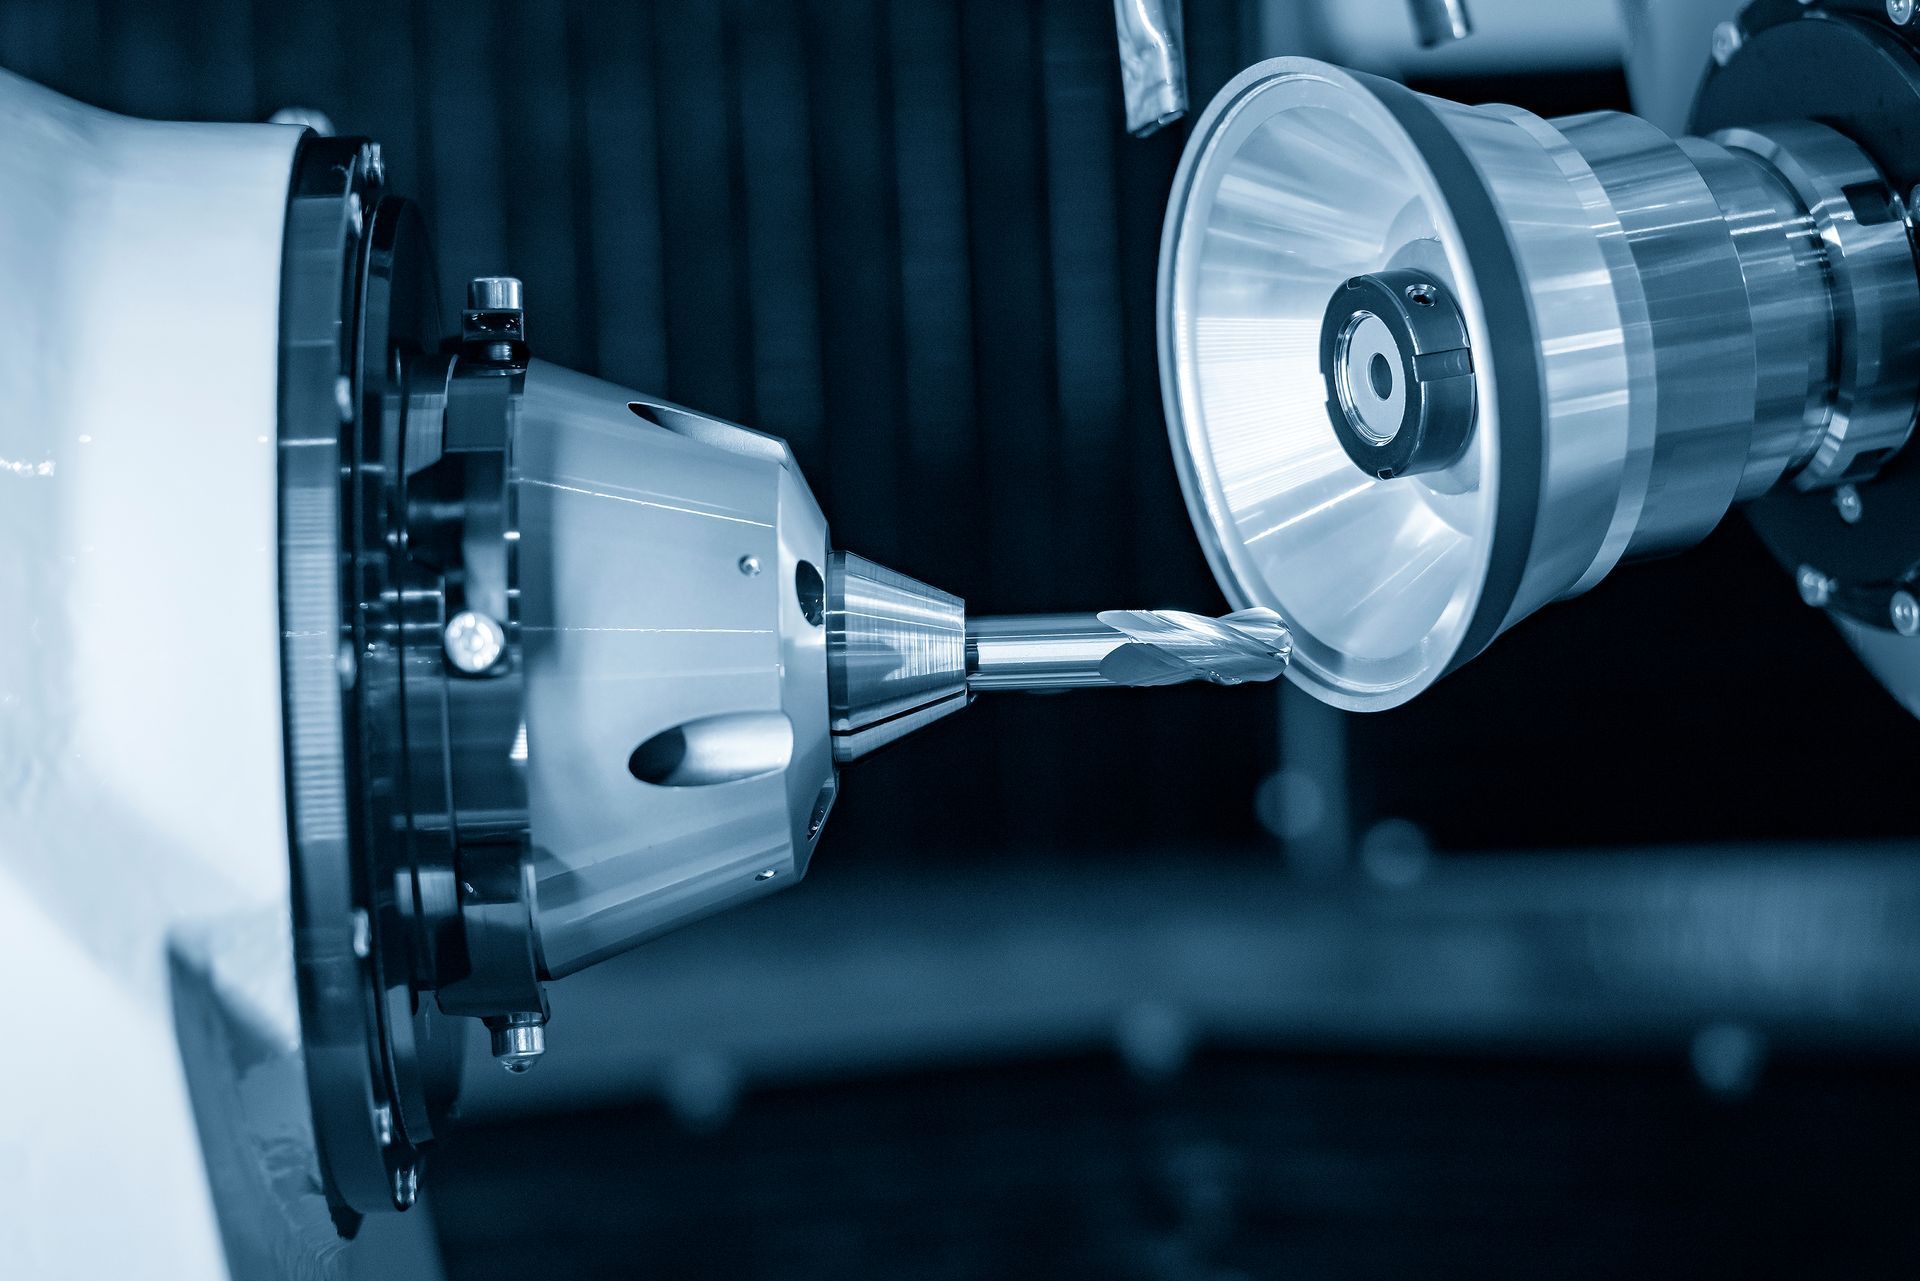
(914, 239)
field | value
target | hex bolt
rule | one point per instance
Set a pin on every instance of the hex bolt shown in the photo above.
(474, 642)
(1900, 11)
(520, 1041)
(1905, 614)
(1846, 501)
(406, 1187)
(1815, 587)
(494, 293)
(1727, 39)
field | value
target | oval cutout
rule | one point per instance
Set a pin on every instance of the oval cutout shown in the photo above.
(811, 592)
(715, 749)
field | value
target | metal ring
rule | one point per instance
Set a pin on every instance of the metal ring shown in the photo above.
(1875, 304)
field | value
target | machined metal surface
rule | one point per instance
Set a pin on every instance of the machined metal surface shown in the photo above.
(1654, 330)
(1860, 228)
(1124, 647)
(1399, 373)
(1299, 177)
(1859, 76)
(896, 654)
(519, 1042)
(381, 1067)
(676, 739)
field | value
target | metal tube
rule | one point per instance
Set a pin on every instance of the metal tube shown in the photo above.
(1153, 65)
(1039, 651)
(1438, 22)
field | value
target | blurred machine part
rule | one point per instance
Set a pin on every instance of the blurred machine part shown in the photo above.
(1153, 63)
(1439, 22)
(1443, 39)
(1429, 367)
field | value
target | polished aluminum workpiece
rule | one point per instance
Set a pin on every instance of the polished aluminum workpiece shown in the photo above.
(896, 654)
(1124, 647)
(1654, 329)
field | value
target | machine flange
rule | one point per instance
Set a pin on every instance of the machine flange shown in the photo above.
(1857, 548)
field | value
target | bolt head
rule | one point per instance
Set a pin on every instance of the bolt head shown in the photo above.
(1815, 587)
(474, 642)
(1904, 613)
(1900, 11)
(1846, 501)
(750, 566)
(1727, 39)
(406, 1186)
(519, 1042)
(495, 293)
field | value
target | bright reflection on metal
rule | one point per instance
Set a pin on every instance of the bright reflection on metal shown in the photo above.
(1303, 181)
(1656, 329)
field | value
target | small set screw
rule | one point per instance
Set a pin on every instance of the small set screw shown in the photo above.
(1904, 613)
(519, 1041)
(1815, 587)
(474, 642)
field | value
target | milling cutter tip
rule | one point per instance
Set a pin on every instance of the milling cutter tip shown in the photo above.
(1165, 647)
(1125, 647)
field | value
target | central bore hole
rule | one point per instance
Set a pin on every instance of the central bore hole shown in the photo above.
(1380, 374)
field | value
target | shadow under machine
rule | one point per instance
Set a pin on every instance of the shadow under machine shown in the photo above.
(523, 668)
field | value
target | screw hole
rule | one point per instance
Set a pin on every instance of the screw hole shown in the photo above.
(811, 590)
(1420, 295)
